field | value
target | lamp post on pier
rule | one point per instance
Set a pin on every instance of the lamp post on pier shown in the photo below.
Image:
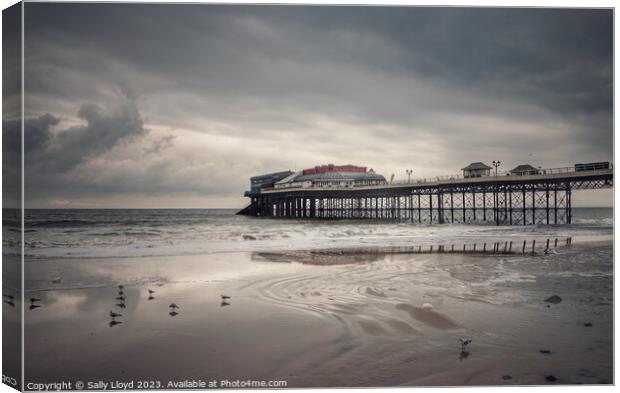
(409, 172)
(495, 164)
(496, 195)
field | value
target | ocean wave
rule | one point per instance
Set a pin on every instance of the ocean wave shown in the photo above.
(112, 233)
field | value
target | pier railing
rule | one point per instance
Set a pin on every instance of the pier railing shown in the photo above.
(501, 174)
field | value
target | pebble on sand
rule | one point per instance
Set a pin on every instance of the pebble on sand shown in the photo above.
(555, 299)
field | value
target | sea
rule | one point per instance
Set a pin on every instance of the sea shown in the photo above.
(103, 233)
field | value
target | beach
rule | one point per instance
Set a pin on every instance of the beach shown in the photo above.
(334, 319)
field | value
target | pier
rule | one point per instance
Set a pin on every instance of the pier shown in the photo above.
(532, 197)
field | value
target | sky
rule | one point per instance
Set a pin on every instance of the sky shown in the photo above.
(178, 105)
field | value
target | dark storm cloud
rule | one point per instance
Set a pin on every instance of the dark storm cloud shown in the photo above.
(560, 58)
(230, 91)
(63, 150)
(53, 155)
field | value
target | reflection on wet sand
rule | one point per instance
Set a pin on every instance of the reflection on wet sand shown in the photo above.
(34, 303)
(320, 257)
(428, 316)
(114, 323)
(463, 355)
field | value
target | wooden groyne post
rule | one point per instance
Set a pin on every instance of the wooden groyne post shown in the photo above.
(473, 247)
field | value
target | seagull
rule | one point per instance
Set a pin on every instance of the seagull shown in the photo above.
(121, 287)
(121, 305)
(34, 299)
(464, 342)
(224, 303)
(114, 323)
(9, 302)
(122, 298)
(151, 291)
(224, 297)
(33, 306)
(173, 313)
(114, 314)
(121, 293)
(150, 298)
(9, 296)
(173, 306)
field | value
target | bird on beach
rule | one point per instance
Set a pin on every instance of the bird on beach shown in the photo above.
(8, 296)
(9, 302)
(121, 305)
(121, 287)
(121, 293)
(224, 303)
(151, 291)
(224, 297)
(173, 306)
(34, 299)
(114, 323)
(121, 298)
(114, 314)
(464, 343)
(150, 298)
(33, 306)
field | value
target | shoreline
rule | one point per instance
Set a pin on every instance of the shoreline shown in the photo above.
(411, 249)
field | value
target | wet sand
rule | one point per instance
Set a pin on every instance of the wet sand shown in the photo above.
(328, 320)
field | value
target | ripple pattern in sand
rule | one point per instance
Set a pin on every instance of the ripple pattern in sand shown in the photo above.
(366, 299)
